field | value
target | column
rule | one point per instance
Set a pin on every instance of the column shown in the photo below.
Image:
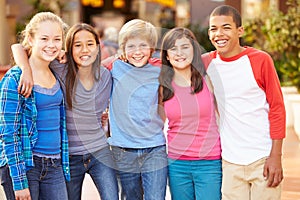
(4, 36)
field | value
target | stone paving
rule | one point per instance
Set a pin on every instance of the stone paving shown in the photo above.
(291, 165)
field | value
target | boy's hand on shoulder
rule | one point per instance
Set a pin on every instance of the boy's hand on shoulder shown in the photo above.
(26, 83)
(273, 172)
(62, 57)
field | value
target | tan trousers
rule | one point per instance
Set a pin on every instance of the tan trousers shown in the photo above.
(246, 182)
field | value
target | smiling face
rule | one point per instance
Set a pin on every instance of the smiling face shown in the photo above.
(47, 41)
(84, 48)
(137, 51)
(224, 35)
(181, 54)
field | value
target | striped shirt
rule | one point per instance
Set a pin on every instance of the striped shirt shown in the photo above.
(18, 132)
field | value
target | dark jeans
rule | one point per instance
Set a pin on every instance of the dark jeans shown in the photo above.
(100, 166)
(6, 182)
(46, 180)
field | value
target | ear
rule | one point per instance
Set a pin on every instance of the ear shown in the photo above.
(30, 40)
(167, 57)
(241, 31)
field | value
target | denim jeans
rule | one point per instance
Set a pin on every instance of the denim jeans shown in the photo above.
(46, 180)
(6, 182)
(142, 172)
(195, 179)
(100, 166)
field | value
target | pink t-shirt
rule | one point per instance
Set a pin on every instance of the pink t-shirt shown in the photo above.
(192, 132)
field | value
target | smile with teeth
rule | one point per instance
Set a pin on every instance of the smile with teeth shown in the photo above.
(84, 57)
(137, 58)
(50, 53)
(180, 59)
(221, 42)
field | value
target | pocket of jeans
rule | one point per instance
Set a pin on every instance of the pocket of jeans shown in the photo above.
(117, 153)
(57, 163)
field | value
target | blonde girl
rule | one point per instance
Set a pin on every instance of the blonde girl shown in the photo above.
(34, 158)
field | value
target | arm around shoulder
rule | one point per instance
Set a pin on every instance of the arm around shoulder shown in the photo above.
(21, 58)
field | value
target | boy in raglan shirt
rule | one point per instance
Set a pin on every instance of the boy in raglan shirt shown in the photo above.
(252, 113)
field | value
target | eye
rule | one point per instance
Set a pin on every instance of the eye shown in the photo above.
(185, 46)
(144, 45)
(91, 44)
(130, 46)
(173, 49)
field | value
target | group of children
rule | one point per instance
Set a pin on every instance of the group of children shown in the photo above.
(225, 112)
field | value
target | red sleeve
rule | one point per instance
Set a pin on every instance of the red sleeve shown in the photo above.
(155, 62)
(207, 58)
(267, 79)
(108, 62)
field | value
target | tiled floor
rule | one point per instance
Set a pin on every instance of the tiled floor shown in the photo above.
(291, 165)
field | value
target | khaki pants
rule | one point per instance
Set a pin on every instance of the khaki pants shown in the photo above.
(246, 182)
(2, 194)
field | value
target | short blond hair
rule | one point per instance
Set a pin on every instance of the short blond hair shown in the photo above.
(137, 28)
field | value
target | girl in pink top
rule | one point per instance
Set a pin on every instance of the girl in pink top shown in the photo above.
(194, 150)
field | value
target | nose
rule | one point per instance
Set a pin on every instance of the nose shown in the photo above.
(178, 51)
(51, 43)
(85, 48)
(138, 49)
(219, 31)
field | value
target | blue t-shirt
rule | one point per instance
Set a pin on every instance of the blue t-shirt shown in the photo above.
(133, 115)
(48, 119)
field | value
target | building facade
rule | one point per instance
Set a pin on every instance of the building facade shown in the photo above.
(161, 13)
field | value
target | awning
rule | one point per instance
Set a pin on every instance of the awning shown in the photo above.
(169, 3)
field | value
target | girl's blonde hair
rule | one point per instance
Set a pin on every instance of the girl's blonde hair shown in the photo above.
(137, 28)
(33, 25)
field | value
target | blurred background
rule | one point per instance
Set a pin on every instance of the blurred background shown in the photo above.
(103, 13)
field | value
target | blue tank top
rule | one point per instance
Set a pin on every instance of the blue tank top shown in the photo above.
(48, 119)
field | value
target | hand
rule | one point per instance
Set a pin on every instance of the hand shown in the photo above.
(122, 57)
(26, 83)
(273, 171)
(104, 118)
(23, 194)
(62, 57)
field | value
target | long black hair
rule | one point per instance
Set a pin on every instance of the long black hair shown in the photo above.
(71, 76)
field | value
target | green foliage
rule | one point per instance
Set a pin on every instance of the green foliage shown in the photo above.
(201, 33)
(37, 6)
(279, 35)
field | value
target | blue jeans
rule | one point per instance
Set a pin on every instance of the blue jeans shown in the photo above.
(46, 180)
(100, 166)
(195, 179)
(142, 172)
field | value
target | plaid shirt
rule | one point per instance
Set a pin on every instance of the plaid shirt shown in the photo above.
(19, 133)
